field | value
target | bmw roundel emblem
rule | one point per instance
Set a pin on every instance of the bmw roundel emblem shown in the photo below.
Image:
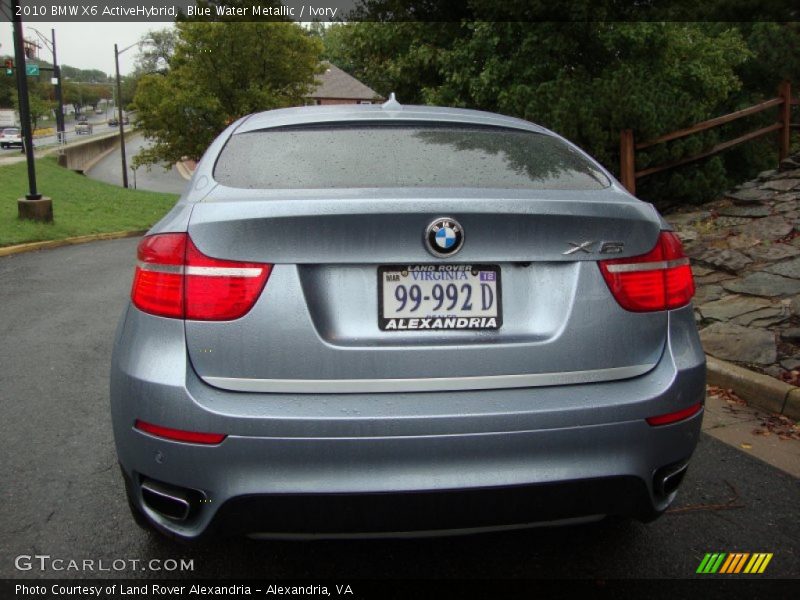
(444, 237)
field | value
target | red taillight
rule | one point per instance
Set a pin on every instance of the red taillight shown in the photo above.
(179, 435)
(158, 281)
(676, 416)
(659, 280)
(174, 279)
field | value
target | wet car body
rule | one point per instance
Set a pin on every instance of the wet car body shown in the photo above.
(561, 381)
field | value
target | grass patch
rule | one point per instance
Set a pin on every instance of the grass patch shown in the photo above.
(81, 206)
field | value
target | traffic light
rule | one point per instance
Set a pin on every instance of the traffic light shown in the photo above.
(9, 66)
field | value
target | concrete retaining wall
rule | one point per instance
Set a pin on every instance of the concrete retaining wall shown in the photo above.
(79, 156)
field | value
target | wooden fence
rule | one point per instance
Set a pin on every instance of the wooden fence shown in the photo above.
(629, 146)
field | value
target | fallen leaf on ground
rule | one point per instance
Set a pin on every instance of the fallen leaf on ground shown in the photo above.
(725, 394)
(781, 425)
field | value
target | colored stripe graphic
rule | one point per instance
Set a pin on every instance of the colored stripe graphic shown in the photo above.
(728, 562)
(767, 558)
(711, 562)
(734, 563)
(755, 562)
(717, 563)
(703, 564)
(741, 562)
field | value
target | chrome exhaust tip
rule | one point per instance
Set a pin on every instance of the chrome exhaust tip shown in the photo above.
(667, 479)
(171, 502)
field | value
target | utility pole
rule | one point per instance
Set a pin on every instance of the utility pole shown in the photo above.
(117, 52)
(119, 116)
(61, 137)
(61, 133)
(24, 107)
(33, 206)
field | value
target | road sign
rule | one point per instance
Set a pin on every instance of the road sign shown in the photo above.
(32, 70)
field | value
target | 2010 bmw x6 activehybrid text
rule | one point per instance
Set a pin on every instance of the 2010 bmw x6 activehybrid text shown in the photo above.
(373, 320)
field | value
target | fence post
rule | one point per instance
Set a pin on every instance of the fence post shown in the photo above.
(785, 92)
(627, 160)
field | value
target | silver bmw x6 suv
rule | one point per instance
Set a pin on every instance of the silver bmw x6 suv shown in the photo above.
(367, 320)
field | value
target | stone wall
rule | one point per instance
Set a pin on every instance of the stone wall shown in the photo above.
(745, 250)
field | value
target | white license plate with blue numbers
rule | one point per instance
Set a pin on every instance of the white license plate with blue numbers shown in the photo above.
(439, 297)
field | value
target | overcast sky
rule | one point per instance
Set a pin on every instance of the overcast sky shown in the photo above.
(86, 45)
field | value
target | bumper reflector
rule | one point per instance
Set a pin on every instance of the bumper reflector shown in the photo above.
(674, 417)
(179, 435)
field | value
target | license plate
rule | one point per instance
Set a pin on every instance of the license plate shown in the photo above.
(439, 297)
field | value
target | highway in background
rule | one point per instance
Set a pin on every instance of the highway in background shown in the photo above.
(99, 124)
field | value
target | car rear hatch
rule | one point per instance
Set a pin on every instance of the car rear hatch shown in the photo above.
(315, 327)
(343, 213)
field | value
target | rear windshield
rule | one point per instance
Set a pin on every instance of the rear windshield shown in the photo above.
(417, 155)
(11, 131)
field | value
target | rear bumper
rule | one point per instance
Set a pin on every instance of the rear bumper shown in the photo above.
(363, 464)
(324, 515)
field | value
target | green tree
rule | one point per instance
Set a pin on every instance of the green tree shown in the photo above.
(80, 95)
(72, 94)
(403, 57)
(91, 95)
(156, 50)
(585, 79)
(128, 85)
(39, 108)
(83, 75)
(218, 73)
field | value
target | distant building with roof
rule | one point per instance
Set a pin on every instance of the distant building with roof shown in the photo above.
(337, 87)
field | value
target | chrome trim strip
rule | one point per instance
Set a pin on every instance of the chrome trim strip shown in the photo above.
(423, 384)
(424, 533)
(650, 266)
(159, 268)
(224, 271)
(203, 271)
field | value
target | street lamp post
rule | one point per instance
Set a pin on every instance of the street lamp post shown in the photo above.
(24, 107)
(51, 44)
(119, 108)
(62, 133)
(33, 206)
(119, 116)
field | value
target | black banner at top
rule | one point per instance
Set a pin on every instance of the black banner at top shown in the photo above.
(398, 10)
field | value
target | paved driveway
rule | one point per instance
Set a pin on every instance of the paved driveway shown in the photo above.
(61, 493)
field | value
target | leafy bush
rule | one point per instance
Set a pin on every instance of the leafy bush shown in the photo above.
(588, 80)
(217, 73)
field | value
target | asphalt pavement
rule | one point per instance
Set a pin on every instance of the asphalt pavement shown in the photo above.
(62, 494)
(154, 178)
